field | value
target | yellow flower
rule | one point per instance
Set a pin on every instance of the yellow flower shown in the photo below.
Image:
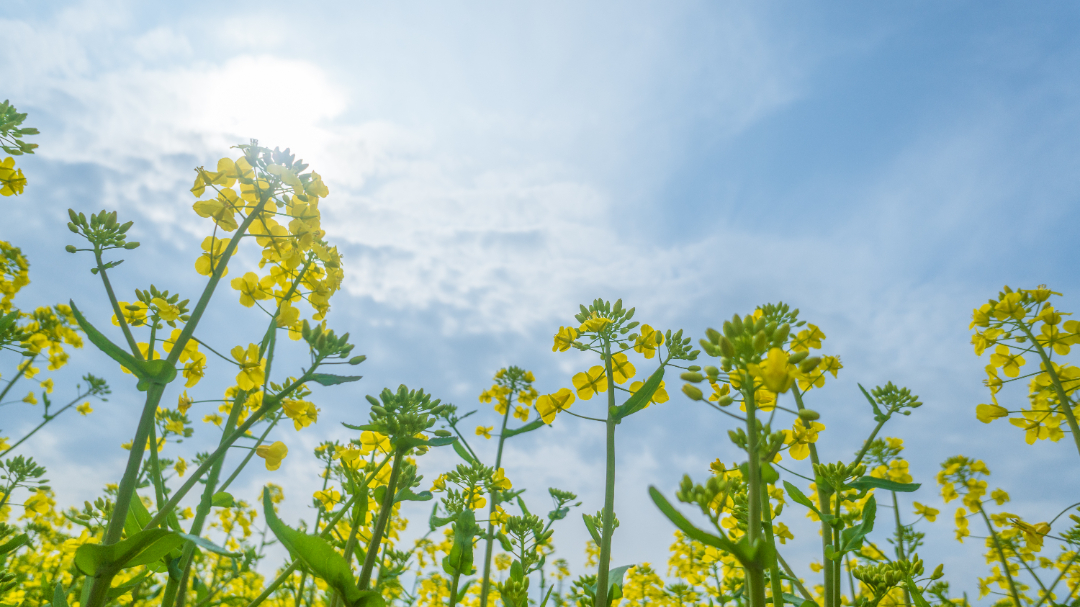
(213, 419)
(484, 431)
(38, 503)
(594, 324)
(251, 290)
(621, 368)
(999, 496)
(47, 385)
(328, 497)
(807, 338)
(777, 373)
(166, 311)
(439, 484)
(926, 511)
(499, 481)
(588, 383)
(252, 367)
(301, 412)
(521, 413)
(184, 402)
(13, 180)
(550, 404)
(1010, 306)
(208, 261)
(1033, 534)
(564, 338)
(84, 408)
(781, 530)
(30, 398)
(273, 454)
(180, 466)
(222, 209)
(370, 441)
(647, 342)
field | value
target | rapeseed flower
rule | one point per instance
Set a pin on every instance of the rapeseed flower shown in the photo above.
(588, 383)
(273, 454)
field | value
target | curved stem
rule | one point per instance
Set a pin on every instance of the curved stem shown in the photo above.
(1066, 402)
(380, 524)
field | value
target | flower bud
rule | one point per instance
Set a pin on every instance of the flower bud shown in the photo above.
(729, 330)
(809, 414)
(131, 245)
(938, 572)
(378, 410)
(692, 376)
(810, 364)
(726, 348)
(712, 372)
(74, 228)
(74, 217)
(748, 324)
(442, 433)
(692, 391)
(725, 400)
(798, 357)
(713, 335)
(781, 334)
(356, 360)
(760, 324)
(760, 341)
(70, 248)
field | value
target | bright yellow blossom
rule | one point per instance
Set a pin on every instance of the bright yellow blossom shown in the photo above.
(588, 383)
(273, 454)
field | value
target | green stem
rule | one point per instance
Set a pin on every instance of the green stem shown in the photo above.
(824, 500)
(1001, 555)
(381, 522)
(206, 503)
(116, 306)
(899, 543)
(609, 487)
(485, 584)
(794, 578)
(775, 580)
(754, 571)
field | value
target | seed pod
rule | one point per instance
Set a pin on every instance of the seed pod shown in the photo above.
(691, 377)
(442, 433)
(810, 364)
(809, 414)
(798, 357)
(692, 391)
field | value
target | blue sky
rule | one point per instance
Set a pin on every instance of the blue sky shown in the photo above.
(884, 167)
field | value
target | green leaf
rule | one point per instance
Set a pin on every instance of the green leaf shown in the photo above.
(740, 550)
(211, 546)
(137, 517)
(318, 555)
(326, 379)
(14, 543)
(59, 596)
(529, 427)
(878, 415)
(795, 599)
(140, 549)
(851, 539)
(147, 371)
(592, 528)
(615, 576)
(639, 399)
(799, 497)
(916, 594)
(221, 499)
(441, 441)
(118, 591)
(866, 482)
(406, 495)
(464, 453)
